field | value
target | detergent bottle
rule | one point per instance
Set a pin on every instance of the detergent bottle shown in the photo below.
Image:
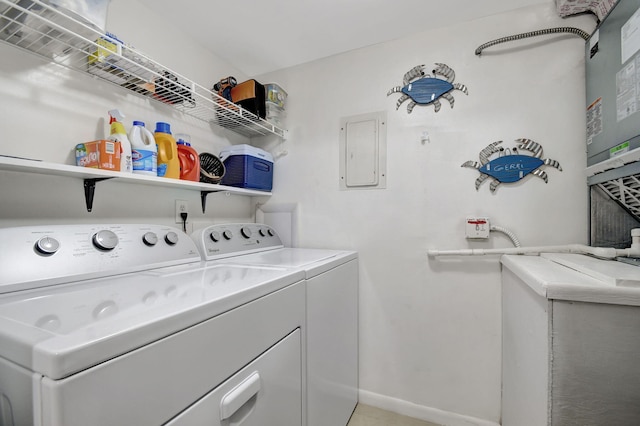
(143, 150)
(168, 162)
(118, 134)
(189, 160)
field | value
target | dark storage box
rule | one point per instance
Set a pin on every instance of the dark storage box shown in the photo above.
(250, 95)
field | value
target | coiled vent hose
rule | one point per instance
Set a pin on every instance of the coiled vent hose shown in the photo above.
(508, 233)
(557, 30)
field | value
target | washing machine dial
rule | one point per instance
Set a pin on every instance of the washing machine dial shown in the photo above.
(171, 238)
(263, 232)
(227, 234)
(105, 240)
(47, 246)
(215, 236)
(270, 232)
(245, 231)
(150, 239)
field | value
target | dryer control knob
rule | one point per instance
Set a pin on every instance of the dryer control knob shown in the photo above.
(105, 240)
(245, 231)
(150, 239)
(171, 238)
(215, 236)
(227, 234)
(47, 245)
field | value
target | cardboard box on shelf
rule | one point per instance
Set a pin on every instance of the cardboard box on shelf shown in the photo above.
(100, 154)
(250, 95)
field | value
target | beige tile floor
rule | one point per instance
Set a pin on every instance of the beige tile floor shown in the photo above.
(365, 415)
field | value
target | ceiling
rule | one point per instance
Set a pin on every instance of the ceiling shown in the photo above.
(259, 36)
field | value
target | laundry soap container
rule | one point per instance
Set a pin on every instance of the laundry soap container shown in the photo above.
(189, 159)
(168, 162)
(118, 134)
(144, 151)
(247, 167)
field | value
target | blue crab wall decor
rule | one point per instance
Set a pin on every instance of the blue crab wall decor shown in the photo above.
(427, 89)
(507, 167)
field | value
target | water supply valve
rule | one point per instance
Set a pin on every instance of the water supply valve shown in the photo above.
(477, 228)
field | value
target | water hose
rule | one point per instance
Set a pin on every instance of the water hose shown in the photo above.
(557, 30)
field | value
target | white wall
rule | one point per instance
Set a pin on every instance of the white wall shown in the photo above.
(430, 329)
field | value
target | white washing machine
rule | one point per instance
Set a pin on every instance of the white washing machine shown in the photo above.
(331, 278)
(125, 325)
(571, 339)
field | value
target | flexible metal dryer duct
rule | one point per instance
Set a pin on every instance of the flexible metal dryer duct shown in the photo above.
(557, 30)
(508, 233)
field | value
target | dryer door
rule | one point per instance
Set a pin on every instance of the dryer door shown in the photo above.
(268, 391)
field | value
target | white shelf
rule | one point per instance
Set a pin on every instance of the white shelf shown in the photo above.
(59, 38)
(92, 176)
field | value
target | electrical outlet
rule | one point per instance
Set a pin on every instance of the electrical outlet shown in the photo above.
(182, 206)
(477, 228)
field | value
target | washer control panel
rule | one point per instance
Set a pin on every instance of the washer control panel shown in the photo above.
(37, 256)
(220, 241)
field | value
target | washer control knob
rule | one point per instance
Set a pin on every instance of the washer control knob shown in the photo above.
(47, 245)
(150, 239)
(245, 231)
(227, 234)
(270, 232)
(171, 238)
(105, 240)
(266, 232)
(215, 236)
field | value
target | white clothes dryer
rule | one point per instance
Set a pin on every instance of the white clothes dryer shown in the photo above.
(331, 278)
(125, 325)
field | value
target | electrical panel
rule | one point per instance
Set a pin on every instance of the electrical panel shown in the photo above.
(363, 151)
(613, 84)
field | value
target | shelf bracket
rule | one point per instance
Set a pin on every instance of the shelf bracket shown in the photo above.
(89, 190)
(203, 199)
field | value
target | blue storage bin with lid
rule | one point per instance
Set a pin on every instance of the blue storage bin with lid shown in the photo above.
(247, 167)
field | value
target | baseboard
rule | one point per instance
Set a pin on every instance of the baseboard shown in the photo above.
(421, 412)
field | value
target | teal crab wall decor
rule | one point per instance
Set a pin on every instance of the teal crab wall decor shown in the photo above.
(508, 167)
(424, 89)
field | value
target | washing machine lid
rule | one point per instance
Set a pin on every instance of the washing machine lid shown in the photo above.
(60, 330)
(554, 280)
(312, 261)
(610, 271)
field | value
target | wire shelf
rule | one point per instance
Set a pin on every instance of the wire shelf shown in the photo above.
(49, 32)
